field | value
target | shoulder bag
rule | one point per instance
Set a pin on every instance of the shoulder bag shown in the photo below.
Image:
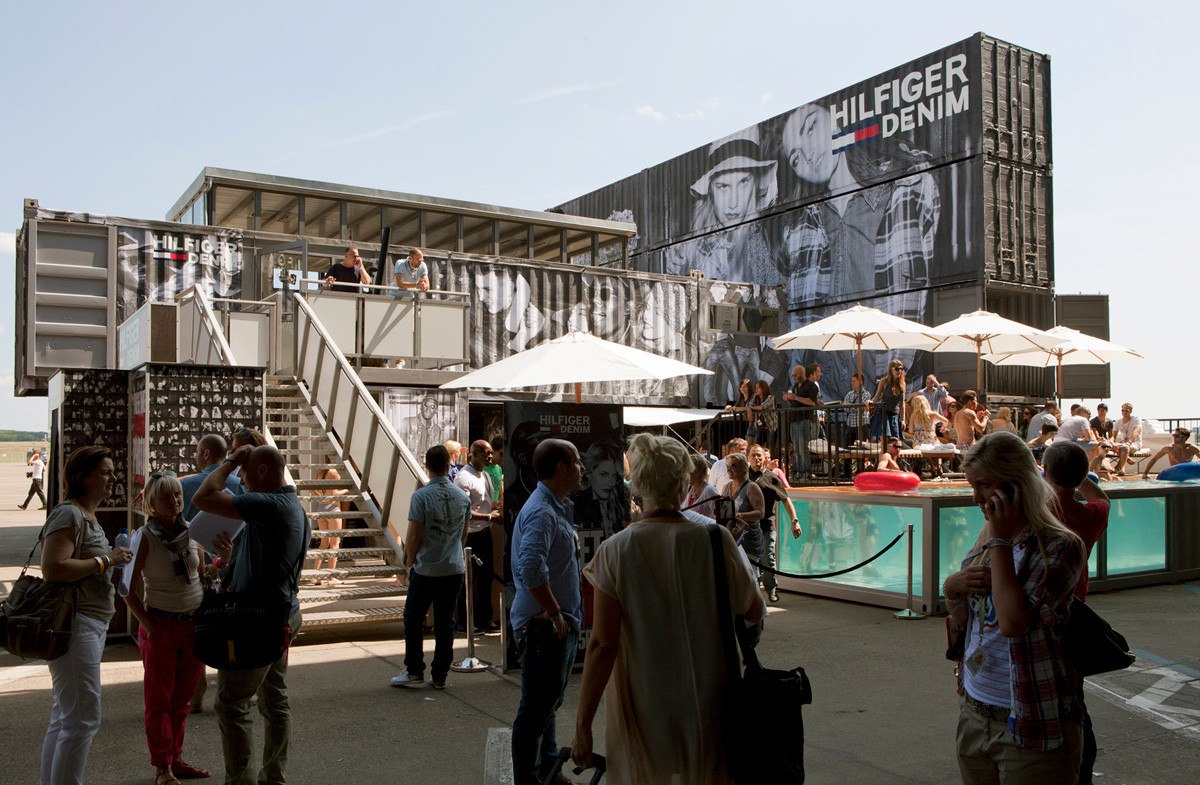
(764, 729)
(243, 630)
(1092, 644)
(36, 619)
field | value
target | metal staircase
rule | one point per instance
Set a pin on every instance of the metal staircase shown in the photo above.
(369, 592)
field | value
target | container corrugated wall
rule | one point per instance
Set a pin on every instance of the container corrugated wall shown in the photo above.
(1015, 86)
(1017, 243)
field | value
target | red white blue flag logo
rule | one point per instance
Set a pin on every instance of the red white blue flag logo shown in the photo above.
(857, 134)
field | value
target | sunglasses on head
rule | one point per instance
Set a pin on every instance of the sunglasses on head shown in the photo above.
(158, 475)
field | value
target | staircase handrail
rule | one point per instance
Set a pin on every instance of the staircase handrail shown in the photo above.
(323, 403)
(208, 319)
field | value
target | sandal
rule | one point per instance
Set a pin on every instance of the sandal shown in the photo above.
(186, 771)
(164, 776)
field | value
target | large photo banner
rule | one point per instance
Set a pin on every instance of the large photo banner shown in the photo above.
(867, 193)
(602, 503)
(156, 265)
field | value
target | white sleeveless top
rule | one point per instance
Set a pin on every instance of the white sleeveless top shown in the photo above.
(164, 589)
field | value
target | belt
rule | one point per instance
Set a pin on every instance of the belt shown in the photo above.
(185, 616)
(987, 710)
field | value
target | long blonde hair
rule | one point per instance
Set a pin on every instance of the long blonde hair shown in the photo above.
(922, 415)
(1004, 457)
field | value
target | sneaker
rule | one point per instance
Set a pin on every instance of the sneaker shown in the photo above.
(774, 596)
(408, 680)
(437, 685)
(21, 507)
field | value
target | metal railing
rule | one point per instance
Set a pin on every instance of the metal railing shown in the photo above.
(387, 470)
(202, 337)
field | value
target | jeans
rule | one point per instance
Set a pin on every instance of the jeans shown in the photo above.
(171, 675)
(802, 432)
(766, 557)
(75, 704)
(442, 593)
(235, 689)
(546, 664)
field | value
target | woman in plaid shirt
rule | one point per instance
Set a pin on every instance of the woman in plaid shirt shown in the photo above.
(1019, 719)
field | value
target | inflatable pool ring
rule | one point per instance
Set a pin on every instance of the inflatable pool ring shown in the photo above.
(1181, 472)
(1094, 477)
(887, 481)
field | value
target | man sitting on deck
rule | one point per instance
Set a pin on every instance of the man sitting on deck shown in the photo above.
(1178, 451)
(1127, 436)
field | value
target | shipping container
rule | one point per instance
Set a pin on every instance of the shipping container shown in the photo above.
(1017, 241)
(1015, 94)
(1087, 313)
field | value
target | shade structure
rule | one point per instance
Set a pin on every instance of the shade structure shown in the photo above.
(648, 416)
(575, 358)
(1077, 349)
(984, 332)
(858, 328)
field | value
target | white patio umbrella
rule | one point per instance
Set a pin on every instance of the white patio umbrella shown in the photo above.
(1078, 349)
(574, 358)
(983, 332)
(858, 328)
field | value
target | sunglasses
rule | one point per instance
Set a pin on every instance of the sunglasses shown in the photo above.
(158, 475)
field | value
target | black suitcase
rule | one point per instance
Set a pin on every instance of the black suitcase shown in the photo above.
(564, 755)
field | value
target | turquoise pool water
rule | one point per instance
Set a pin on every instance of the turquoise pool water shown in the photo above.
(840, 534)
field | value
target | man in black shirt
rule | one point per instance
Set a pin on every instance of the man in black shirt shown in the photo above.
(804, 394)
(349, 274)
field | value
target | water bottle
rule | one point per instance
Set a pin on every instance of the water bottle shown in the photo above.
(122, 541)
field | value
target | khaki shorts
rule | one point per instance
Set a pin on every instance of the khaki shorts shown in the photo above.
(988, 754)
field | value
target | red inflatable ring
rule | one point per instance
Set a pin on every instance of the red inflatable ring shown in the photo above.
(886, 481)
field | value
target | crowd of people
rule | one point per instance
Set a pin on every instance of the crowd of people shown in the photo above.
(650, 578)
(927, 419)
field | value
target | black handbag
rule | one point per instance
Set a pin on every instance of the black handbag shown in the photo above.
(243, 630)
(1092, 644)
(764, 729)
(37, 617)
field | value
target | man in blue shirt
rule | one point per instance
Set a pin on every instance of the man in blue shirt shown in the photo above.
(266, 558)
(433, 553)
(210, 451)
(411, 274)
(547, 610)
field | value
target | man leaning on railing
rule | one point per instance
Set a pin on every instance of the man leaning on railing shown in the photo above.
(348, 274)
(411, 274)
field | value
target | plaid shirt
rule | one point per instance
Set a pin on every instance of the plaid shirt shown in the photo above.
(1043, 679)
(890, 227)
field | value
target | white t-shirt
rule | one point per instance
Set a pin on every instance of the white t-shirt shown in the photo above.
(718, 475)
(1036, 422)
(1124, 430)
(408, 275)
(1074, 429)
(39, 469)
(986, 667)
(478, 486)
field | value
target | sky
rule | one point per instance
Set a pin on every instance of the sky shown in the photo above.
(115, 108)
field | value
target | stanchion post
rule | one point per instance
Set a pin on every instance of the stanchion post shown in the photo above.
(908, 613)
(470, 663)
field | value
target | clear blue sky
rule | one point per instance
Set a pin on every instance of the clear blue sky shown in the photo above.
(114, 108)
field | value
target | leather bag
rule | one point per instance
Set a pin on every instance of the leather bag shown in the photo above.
(37, 617)
(1092, 644)
(764, 729)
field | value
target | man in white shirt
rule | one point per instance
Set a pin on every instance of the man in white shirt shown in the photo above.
(935, 393)
(1048, 414)
(1078, 428)
(1127, 436)
(411, 274)
(37, 471)
(484, 513)
(719, 474)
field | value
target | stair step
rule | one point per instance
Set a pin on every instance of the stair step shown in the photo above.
(324, 594)
(355, 514)
(347, 533)
(348, 553)
(341, 497)
(325, 483)
(356, 616)
(382, 571)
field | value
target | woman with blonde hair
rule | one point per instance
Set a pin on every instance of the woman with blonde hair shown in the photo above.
(922, 425)
(655, 607)
(328, 521)
(1019, 719)
(1002, 421)
(169, 564)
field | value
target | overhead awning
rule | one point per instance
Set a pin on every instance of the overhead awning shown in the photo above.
(648, 416)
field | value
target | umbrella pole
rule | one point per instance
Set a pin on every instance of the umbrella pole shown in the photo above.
(578, 392)
(1059, 383)
(979, 367)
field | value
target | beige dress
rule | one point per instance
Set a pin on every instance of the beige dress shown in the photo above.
(664, 702)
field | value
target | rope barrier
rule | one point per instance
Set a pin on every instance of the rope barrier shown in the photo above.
(864, 563)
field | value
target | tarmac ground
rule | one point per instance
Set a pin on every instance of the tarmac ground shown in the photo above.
(884, 708)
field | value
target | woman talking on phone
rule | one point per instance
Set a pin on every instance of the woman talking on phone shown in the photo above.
(1019, 720)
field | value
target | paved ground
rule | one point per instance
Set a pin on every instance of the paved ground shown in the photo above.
(884, 709)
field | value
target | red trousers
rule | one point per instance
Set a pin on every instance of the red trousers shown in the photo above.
(172, 672)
